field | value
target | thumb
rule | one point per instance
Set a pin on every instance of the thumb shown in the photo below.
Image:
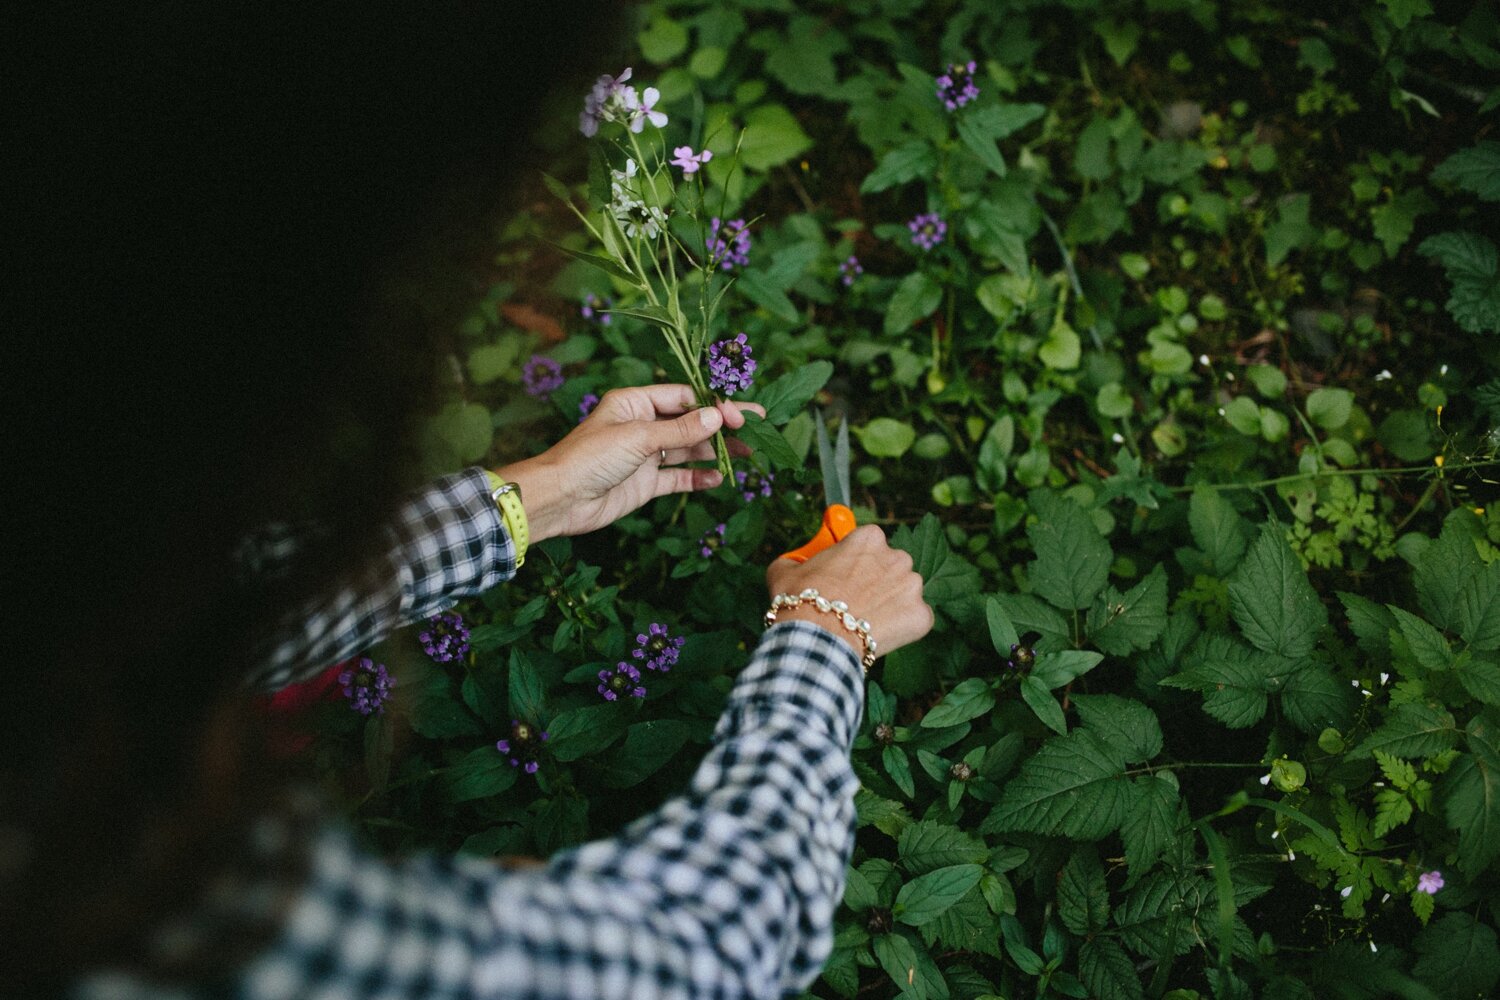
(693, 427)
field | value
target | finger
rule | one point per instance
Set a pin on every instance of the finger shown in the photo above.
(697, 453)
(738, 448)
(686, 480)
(647, 402)
(684, 432)
(734, 413)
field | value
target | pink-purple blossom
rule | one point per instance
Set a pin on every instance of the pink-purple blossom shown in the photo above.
(658, 647)
(586, 405)
(850, 269)
(595, 309)
(367, 685)
(641, 108)
(956, 87)
(523, 746)
(446, 637)
(541, 376)
(753, 483)
(608, 92)
(711, 540)
(689, 161)
(728, 244)
(731, 368)
(623, 681)
(1430, 882)
(927, 230)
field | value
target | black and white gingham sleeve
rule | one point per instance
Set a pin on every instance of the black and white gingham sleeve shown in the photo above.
(726, 892)
(445, 543)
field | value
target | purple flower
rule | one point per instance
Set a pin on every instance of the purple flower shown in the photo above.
(524, 745)
(367, 685)
(728, 244)
(689, 161)
(1021, 657)
(446, 637)
(711, 540)
(586, 405)
(927, 230)
(1430, 882)
(956, 88)
(541, 376)
(850, 269)
(657, 648)
(754, 483)
(640, 108)
(730, 367)
(596, 309)
(622, 680)
(597, 105)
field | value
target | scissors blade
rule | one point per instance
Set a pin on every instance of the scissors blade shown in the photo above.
(841, 464)
(826, 460)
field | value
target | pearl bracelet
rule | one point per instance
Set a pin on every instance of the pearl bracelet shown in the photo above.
(858, 626)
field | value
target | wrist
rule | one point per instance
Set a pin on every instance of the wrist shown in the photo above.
(806, 613)
(541, 496)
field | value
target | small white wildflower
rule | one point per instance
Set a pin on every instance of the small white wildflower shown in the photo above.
(1265, 779)
(1443, 370)
(1117, 437)
(1221, 411)
(1384, 677)
(1386, 898)
(1346, 890)
(1291, 855)
(1203, 360)
(1372, 947)
(1383, 375)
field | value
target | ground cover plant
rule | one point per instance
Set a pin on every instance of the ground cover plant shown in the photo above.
(1168, 334)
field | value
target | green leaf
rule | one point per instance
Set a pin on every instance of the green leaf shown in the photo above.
(1091, 152)
(772, 137)
(803, 58)
(889, 817)
(898, 957)
(1062, 350)
(1234, 681)
(904, 163)
(1128, 726)
(980, 128)
(1074, 786)
(608, 265)
(1028, 614)
(1150, 820)
(1412, 729)
(1107, 972)
(1313, 698)
(1476, 613)
(785, 397)
(435, 711)
(1072, 558)
(1472, 267)
(1371, 623)
(1481, 679)
(1476, 169)
(662, 40)
(580, 732)
(648, 745)
(526, 700)
(1443, 571)
(466, 428)
(899, 768)
(927, 846)
(756, 287)
(1291, 230)
(1121, 624)
(1427, 645)
(1056, 669)
(1471, 797)
(1039, 697)
(1393, 221)
(1330, 408)
(947, 576)
(970, 699)
(768, 441)
(1217, 529)
(1459, 956)
(480, 774)
(925, 898)
(1002, 633)
(915, 298)
(1155, 921)
(885, 437)
(1271, 600)
(1082, 896)
(1392, 808)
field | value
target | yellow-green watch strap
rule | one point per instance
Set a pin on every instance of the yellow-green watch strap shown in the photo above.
(507, 497)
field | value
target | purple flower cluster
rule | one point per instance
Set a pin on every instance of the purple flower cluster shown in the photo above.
(586, 405)
(595, 309)
(367, 685)
(612, 100)
(622, 680)
(524, 745)
(956, 88)
(754, 483)
(850, 269)
(731, 369)
(927, 230)
(1430, 882)
(541, 376)
(711, 540)
(728, 243)
(446, 637)
(657, 647)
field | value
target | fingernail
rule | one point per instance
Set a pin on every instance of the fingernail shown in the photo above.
(710, 417)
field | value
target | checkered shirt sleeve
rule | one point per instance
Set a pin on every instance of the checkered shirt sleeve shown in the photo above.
(727, 891)
(446, 543)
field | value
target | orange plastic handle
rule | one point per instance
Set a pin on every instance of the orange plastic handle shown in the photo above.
(838, 521)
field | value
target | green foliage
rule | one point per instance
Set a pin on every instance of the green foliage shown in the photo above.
(1194, 404)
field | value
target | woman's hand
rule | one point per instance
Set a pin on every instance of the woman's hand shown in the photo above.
(627, 451)
(875, 580)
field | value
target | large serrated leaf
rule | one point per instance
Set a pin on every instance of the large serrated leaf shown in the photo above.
(1475, 169)
(1472, 267)
(970, 699)
(768, 441)
(1082, 895)
(1477, 611)
(1027, 614)
(1313, 698)
(1039, 697)
(1156, 919)
(904, 163)
(1444, 569)
(928, 845)
(1217, 529)
(1427, 645)
(1150, 820)
(1107, 972)
(1471, 798)
(1234, 680)
(1271, 600)
(1412, 729)
(785, 397)
(1370, 622)
(1128, 726)
(647, 746)
(1459, 956)
(915, 298)
(1074, 786)
(925, 897)
(946, 575)
(1124, 623)
(1072, 558)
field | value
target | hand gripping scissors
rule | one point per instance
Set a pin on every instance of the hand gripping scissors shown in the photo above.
(838, 519)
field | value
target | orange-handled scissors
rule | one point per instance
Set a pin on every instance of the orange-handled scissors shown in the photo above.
(838, 519)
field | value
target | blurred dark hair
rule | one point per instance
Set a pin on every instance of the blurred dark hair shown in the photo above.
(242, 227)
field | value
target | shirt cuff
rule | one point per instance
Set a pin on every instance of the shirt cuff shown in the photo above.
(805, 668)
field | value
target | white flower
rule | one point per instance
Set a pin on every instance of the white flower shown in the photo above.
(641, 108)
(639, 219)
